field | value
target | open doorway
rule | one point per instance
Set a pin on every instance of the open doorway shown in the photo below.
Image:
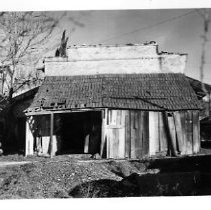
(80, 132)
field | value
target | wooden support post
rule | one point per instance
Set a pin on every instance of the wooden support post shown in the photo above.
(145, 137)
(153, 133)
(196, 132)
(132, 135)
(179, 134)
(189, 132)
(103, 131)
(51, 134)
(29, 141)
(122, 134)
(127, 135)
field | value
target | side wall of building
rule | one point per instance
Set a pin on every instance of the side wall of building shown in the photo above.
(127, 134)
(139, 134)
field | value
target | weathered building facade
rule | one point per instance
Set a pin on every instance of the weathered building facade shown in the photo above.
(118, 101)
(117, 116)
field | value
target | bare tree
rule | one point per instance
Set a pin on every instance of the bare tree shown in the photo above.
(22, 35)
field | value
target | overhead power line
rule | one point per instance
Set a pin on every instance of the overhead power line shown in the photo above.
(149, 26)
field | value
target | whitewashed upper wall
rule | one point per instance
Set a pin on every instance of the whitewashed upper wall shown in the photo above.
(126, 59)
(111, 52)
(173, 62)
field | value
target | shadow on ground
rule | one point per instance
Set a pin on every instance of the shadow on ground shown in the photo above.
(163, 177)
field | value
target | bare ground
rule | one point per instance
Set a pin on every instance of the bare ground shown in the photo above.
(72, 176)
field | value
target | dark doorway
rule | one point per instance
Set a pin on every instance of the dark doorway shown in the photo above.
(80, 132)
(21, 134)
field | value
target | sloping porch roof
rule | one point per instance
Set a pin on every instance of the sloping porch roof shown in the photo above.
(161, 91)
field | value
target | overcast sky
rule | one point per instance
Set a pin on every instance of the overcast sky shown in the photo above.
(174, 30)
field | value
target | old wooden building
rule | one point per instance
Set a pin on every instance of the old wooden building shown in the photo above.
(114, 115)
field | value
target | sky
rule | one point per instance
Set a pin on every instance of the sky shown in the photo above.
(174, 30)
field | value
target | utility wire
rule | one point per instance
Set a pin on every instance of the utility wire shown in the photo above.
(150, 26)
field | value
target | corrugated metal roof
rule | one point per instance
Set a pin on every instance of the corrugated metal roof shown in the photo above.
(161, 91)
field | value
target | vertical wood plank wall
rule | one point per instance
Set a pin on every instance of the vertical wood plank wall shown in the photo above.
(126, 133)
(138, 134)
(133, 133)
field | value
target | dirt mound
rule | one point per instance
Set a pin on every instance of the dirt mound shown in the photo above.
(55, 178)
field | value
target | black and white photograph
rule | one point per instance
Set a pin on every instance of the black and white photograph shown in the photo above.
(105, 103)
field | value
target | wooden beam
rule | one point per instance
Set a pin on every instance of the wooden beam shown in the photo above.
(51, 133)
(29, 141)
(44, 112)
(103, 131)
(189, 132)
(127, 135)
(132, 135)
(153, 133)
(196, 132)
(122, 134)
(179, 134)
(145, 137)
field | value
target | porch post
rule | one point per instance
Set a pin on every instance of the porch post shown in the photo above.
(51, 134)
(103, 131)
(29, 141)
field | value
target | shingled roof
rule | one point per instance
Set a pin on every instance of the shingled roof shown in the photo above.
(162, 91)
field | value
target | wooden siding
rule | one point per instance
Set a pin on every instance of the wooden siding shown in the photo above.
(127, 136)
(138, 134)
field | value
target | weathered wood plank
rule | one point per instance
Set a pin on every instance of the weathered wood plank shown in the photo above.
(139, 138)
(122, 135)
(171, 150)
(153, 133)
(145, 134)
(29, 150)
(179, 134)
(127, 134)
(189, 132)
(108, 144)
(108, 148)
(133, 134)
(51, 134)
(196, 133)
(103, 131)
(86, 144)
(183, 127)
(114, 143)
(172, 130)
(162, 135)
(46, 148)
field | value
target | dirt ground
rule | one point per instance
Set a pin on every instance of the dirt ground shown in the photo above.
(56, 177)
(71, 176)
